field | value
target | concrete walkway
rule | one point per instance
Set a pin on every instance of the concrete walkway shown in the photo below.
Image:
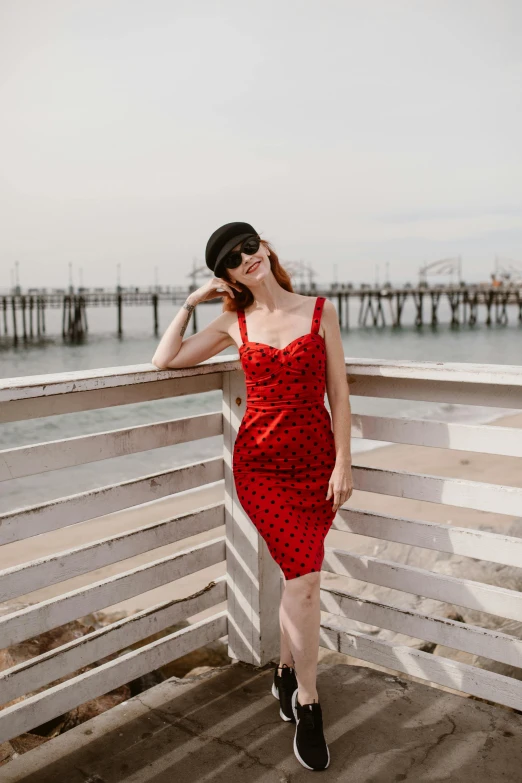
(225, 726)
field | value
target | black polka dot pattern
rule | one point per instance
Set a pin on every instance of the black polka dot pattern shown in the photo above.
(284, 452)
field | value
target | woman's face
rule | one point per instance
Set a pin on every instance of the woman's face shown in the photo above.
(252, 269)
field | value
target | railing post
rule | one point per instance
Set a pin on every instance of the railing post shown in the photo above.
(253, 576)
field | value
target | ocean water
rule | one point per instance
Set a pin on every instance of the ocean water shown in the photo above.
(103, 348)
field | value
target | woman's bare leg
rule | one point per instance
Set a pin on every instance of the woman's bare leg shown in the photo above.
(286, 651)
(285, 655)
(300, 616)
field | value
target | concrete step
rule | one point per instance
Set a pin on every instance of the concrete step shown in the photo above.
(224, 726)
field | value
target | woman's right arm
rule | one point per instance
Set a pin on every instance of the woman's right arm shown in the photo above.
(174, 352)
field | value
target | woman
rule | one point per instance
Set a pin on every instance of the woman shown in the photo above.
(291, 470)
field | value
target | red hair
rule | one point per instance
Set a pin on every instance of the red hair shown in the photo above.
(244, 298)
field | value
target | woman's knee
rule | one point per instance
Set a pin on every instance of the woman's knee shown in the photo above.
(304, 587)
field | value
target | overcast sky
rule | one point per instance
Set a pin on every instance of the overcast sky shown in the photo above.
(349, 133)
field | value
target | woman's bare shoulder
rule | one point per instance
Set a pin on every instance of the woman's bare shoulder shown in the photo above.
(329, 319)
(329, 309)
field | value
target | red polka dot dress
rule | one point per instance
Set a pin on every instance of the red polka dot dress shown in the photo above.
(284, 452)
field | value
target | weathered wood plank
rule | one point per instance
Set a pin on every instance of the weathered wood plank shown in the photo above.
(40, 406)
(70, 563)
(439, 434)
(42, 707)
(66, 383)
(54, 514)
(480, 544)
(254, 578)
(33, 674)
(418, 581)
(472, 384)
(53, 612)
(449, 372)
(492, 395)
(57, 454)
(496, 385)
(438, 489)
(495, 645)
(432, 668)
(87, 380)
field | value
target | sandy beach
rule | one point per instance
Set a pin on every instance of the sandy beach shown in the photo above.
(441, 462)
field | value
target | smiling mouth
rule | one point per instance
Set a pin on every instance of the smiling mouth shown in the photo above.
(254, 266)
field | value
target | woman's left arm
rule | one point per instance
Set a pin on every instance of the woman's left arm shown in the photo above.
(341, 482)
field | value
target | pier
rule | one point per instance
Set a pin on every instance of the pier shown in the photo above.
(22, 315)
(464, 304)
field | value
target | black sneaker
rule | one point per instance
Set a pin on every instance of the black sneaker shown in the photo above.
(310, 745)
(282, 688)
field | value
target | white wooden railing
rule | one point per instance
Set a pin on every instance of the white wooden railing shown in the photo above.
(251, 586)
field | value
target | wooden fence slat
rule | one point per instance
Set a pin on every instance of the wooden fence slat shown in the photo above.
(470, 542)
(474, 639)
(494, 385)
(45, 571)
(493, 395)
(450, 373)
(52, 515)
(66, 401)
(419, 581)
(33, 674)
(44, 706)
(477, 438)
(83, 449)
(26, 387)
(438, 489)
(387, 370)
(253, 576)
(432, 668)
(37, 618)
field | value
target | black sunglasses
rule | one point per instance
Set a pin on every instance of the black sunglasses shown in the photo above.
(249, 246)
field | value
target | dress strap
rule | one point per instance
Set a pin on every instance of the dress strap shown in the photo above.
(242, 325)
(316, 318)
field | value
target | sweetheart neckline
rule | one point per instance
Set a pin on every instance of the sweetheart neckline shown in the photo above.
(275, 348)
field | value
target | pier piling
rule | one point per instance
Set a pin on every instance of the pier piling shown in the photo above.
(119, 305)
(15, 333)
(155, 313)
(464, 303)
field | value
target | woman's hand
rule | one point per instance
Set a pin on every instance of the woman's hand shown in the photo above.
(340, 486)
(213, 288)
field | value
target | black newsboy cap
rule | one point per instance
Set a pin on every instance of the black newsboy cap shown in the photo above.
(222, 241)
